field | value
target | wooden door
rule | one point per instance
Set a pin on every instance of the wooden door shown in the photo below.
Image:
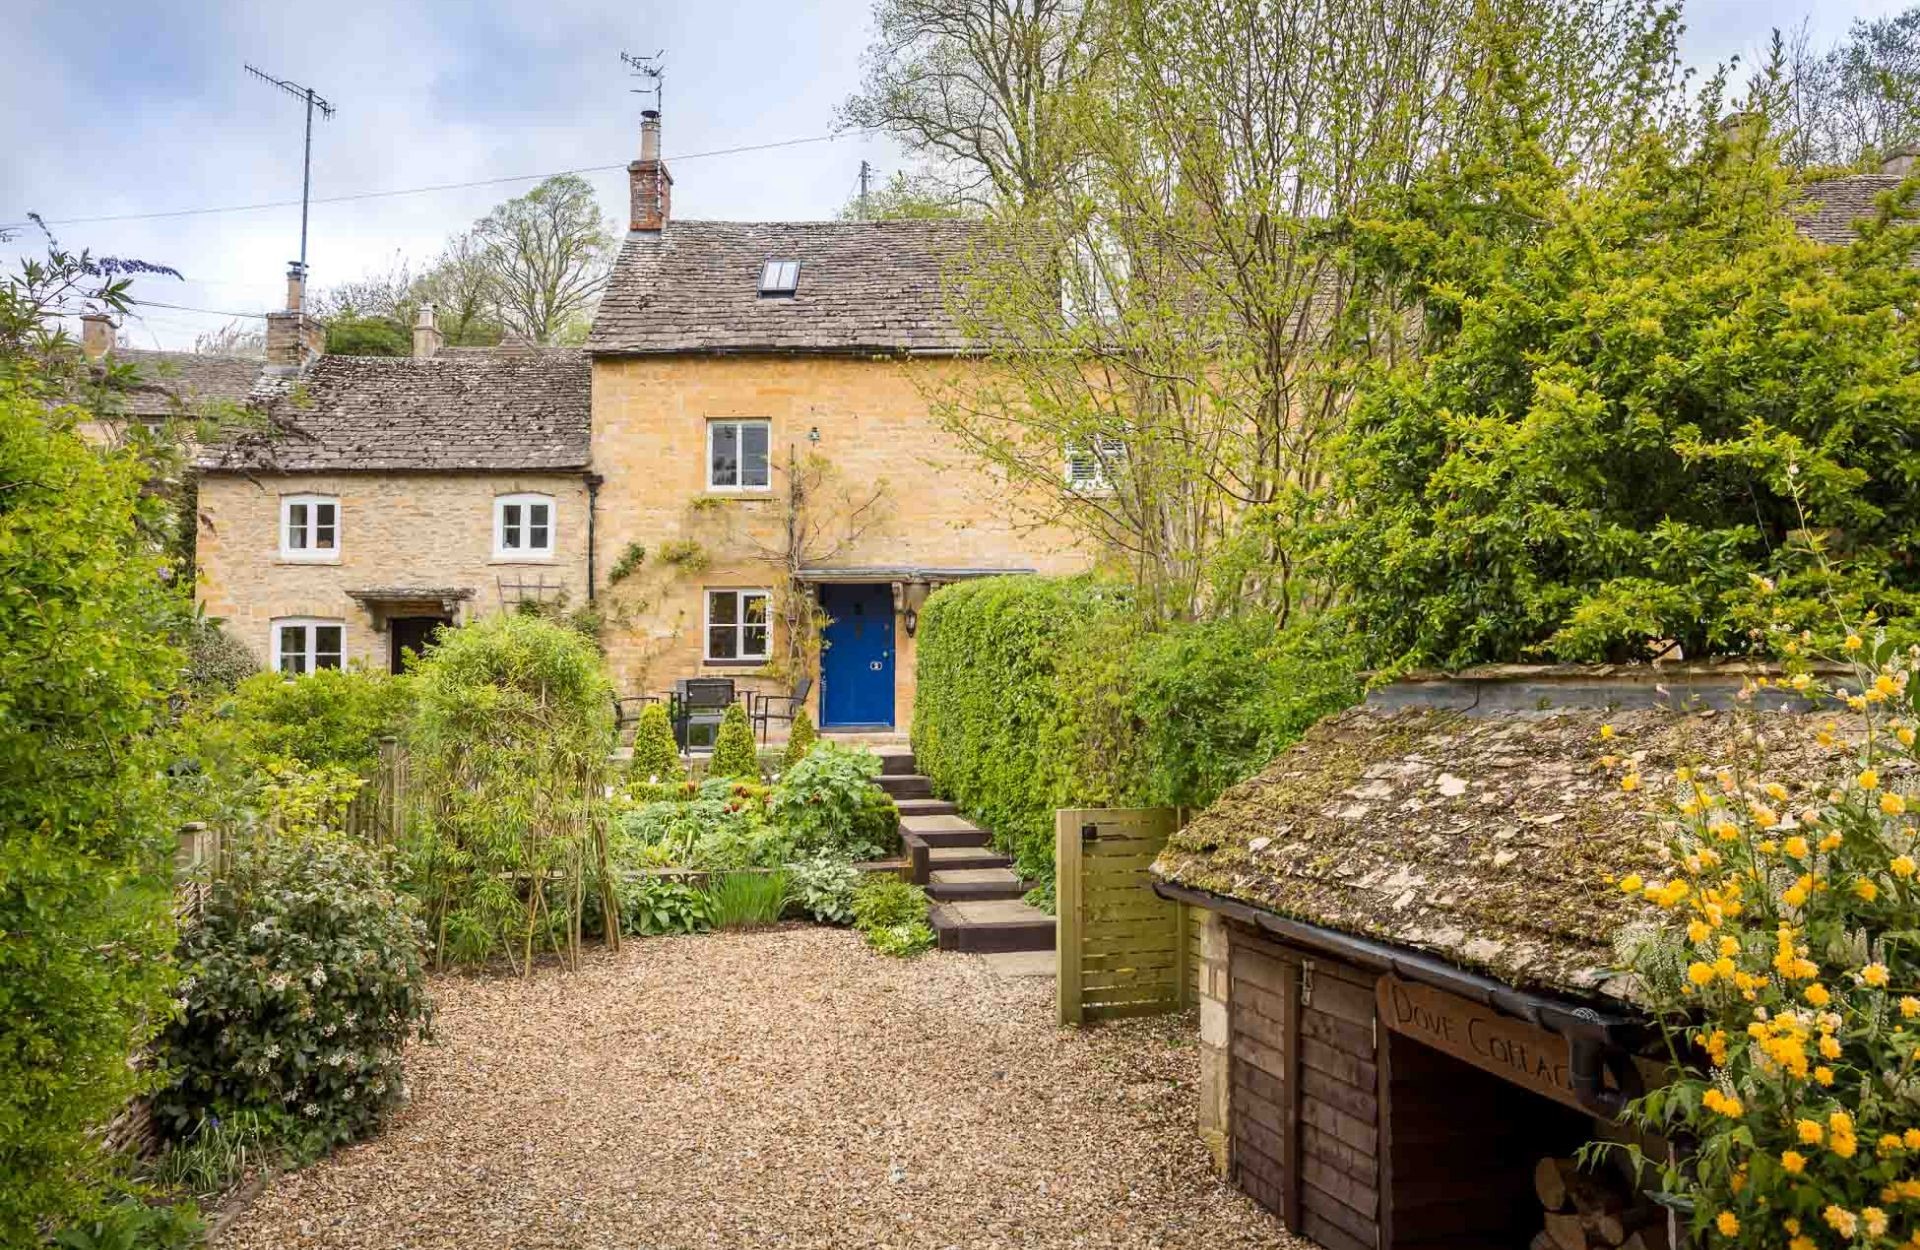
(1122, 950)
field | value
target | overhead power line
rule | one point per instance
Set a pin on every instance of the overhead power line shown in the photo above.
(425, 190)
(211, 312)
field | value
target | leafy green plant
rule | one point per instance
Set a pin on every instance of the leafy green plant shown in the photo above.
(304, 979)
(510, 743)
(329, 716)
(685, 554)
(801, 736)
(876, 825)
(823, 887)
(746, 900)
(87, 822)
(650, 905)
(218, 1151)
(892, 915)
(734, 753)
(723, 825)
(656, 756)
(632, 556)
(821, 799)
(133, 1224)
(217, 662)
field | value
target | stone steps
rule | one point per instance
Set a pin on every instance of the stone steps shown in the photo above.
(944, 829)
(991, 925)
(905, 785)
(926, 807)
(958, 884)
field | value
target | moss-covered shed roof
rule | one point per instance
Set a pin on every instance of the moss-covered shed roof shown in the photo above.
(1487, 840)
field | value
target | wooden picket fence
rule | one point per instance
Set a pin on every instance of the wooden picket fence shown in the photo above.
(1122, 950)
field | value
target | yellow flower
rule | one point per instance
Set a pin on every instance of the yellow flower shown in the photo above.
(1866, 889)
(1875, 975)
(1902, 866)
(1793, 1161)
(1905, 735)
(1796, 846)
(1840, 1122)
(1817, 994)
(1700, 973)
(1853, 642)
(1698, 931)
(1868, 779)
(1911, 1138)
(1811, 1134)
(1801, 1243)
(1630, 782)
(1910, 1007)
(1892, 804)
(1729, 1224)
(1775, 791)
(1631, 883)
(1875, 1219)
(1763, 816)
(1840, 1220)
(1885, 684)
(1823, 1074)
(1729, 946)
(1888, 1143)
(1606, 732)
(1683, 774)
(1723, 831)
(1800, 681)
(1829, 1047)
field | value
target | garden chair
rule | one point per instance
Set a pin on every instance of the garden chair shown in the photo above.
(627, 709)
(700, 702)
(764, 709)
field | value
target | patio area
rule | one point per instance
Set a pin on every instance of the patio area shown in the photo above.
(779, 1088)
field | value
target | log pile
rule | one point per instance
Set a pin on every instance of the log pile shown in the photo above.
(1594, 1211)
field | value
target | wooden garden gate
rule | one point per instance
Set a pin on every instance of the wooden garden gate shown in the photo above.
(1122, 950)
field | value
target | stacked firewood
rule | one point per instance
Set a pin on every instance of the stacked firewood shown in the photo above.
(1594, 1211)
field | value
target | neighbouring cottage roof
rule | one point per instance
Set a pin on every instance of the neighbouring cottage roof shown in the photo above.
(521, 408)
(865, 286)
(1835, 206)
(1483, 838)
(175, 384)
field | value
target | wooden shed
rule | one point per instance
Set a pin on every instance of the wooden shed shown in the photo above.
(1411, 1009)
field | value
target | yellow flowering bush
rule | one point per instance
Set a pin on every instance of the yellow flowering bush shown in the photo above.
(1787, 970)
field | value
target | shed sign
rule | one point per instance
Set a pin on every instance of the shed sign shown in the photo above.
(1526, 1055)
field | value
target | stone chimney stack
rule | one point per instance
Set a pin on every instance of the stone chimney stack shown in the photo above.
(294, 338)
(652, 184)
(427, 339)
(1898, 162)
(96, 335)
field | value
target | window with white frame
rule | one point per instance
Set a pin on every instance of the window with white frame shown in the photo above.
(1093, 463)
(737, 455)
(303, 644)
(522, 527)
(737, 625)
(779, 277)
(309, 527)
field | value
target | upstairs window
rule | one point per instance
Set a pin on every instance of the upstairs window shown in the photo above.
(309, 527)
(737, 455)
(307, 644)
(522, 527)
(737, 626)
(779, 277)
(1093, 463)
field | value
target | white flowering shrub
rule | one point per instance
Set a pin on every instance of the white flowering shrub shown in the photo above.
(304, 977)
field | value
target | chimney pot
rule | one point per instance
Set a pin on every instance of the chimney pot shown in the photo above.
(651, 184)
(96, 335)
(296, 287)
(427, 338)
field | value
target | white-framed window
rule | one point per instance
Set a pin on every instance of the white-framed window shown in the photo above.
(303, 644)
(737, 455)
(1092, 464)
(309, 527)
(779, 277)
(522, 527)
(737, 625)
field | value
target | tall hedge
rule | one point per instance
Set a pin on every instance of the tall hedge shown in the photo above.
(1040, 693)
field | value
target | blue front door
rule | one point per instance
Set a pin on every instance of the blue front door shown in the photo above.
(856, 662)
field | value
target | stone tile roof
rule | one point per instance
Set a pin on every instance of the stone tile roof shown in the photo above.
(871, 286)
(175, 384)
(1836, 204)
(525, 408)
(1484, 840)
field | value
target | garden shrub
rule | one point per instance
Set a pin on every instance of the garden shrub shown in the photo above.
(1591, 458)
(217, 662)
(876, 825)
(724, 825)
(746, 900)
(87, 823)
(329, 716)
(801, 736)
(823, 887)
(510, 740)
(304, 978)
(656, 757)
(651, 905)
(820, 801)
(734, 754)
(892, 915)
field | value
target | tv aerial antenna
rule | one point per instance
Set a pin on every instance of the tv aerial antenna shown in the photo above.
(653, 69)
(312, 100)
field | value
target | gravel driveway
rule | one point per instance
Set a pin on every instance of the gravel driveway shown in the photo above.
(782, 1088)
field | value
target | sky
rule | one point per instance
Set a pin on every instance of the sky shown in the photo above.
(125, 107)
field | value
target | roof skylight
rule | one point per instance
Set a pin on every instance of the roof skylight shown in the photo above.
(779, 277)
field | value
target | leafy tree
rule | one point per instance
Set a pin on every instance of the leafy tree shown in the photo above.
(1648, 405)
(979, 89)
(1859, 99)
(906, 197)
(368, 336)
(86, 822)
(547, 256)
(460, 288)
(236, 338)
(734, 754)
(656, 756)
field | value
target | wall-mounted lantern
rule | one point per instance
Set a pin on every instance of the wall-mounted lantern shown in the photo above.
(915, 598)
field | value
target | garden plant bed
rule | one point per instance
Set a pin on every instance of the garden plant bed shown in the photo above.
(784, 1087)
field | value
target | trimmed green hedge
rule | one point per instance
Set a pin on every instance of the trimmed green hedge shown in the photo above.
(1040, 693)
